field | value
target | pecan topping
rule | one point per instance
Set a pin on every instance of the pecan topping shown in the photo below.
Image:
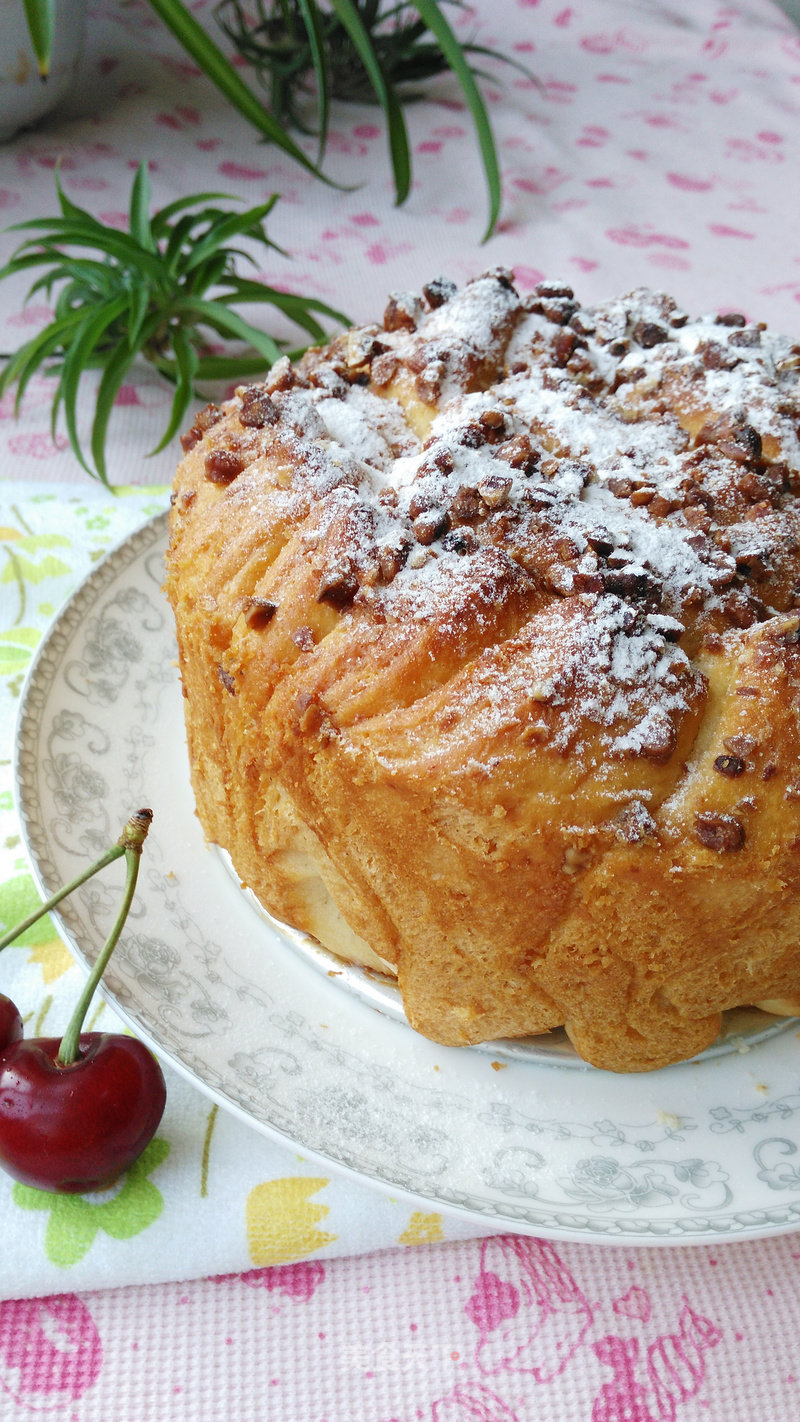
(258, 612)
(461, 541)
(554, 288)
(223, 465)
(444, 461)
(634, 823)
(226, 680)
(730, 765)
(749, 336)
(392, 557)
(402, 312)
(722, 833)
(465, 505)
(431, 525)
(428, 383)
(183, 500)
(339, 585)
(648, 334)
(439, 291)
(564, 343)
(384, 368)
(744, 444)
(731, 318)
(303, 637)
(519, 453)
(202, 422)
(282, 376)
(258, 409)
(495, 489)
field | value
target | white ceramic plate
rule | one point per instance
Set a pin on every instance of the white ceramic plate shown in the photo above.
(701, 1151)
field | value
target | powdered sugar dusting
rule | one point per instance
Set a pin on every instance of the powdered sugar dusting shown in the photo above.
(633, 464)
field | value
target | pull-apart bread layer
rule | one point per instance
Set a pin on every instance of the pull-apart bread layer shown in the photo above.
(488, 626)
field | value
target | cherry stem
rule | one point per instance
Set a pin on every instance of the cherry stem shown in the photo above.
(130, 843)
(140, 819)
(115, 852)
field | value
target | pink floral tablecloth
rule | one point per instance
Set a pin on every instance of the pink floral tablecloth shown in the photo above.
(653, 144)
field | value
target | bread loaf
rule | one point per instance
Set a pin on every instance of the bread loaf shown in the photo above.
(488, 627)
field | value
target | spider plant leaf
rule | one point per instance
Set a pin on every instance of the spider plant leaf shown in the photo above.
(23, 262)
(86, 279)
(178, 235)
(229, 323)
(26, 361)
(160, 220)
(297, 308)
(453, 53)
(186, 363)
(113, 375)
(236, 224)
(108, 240)
(191, 35)
(316, 43)
(347, 13)
(228, 367)
(139, 215)
(40, 15)
(81, 348)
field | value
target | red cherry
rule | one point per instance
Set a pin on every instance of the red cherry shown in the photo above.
(76, 1128)
(10, 1022)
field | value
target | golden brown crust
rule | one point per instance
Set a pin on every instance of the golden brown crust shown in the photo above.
(488, 637)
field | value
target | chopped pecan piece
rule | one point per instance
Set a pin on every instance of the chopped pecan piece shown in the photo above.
(743, 444)
(722, 833)
(731, 318)
(519, 453)
(257, 409)
(226, 680)
(303, 637)
(730, 765)
(649, 334)
(461, 541)
(748, 336)
(258, 612)
(384, 368)
(634, 823)
(339, 585)
(495, 489)
(223, 465)
(402, 311)
(439, 291)
(465, 505)
(431, 525)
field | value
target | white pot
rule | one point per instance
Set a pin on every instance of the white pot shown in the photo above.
(24, 96)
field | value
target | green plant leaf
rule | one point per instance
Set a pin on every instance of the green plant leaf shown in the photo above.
(236, 224)
(348, 14)
(82, 345)
(297, 308)
(27, 360)
(139, 219)
(217, 68)
(151, 292)
(115, 371)
(440, 28)
(186, 363)
(230, 323)
(40, 15)
(316, 43)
